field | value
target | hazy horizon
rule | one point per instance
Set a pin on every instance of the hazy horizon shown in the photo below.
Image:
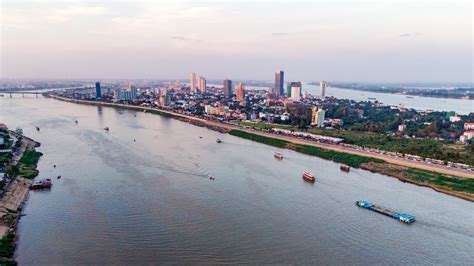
(375, 41)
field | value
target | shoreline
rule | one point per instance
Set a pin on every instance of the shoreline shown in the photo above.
(12, 204)
(225, 128)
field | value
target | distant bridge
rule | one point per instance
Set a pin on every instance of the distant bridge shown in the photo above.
(36, 93)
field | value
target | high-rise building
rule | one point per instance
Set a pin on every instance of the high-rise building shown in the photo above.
(278, 91)
(322, 86)
(295, 91)
(240, 91)
(320, 117)
(288, 89)
(127, 94)
(98, 93)
(291, 85)
(192, 82)
(317, 116)
(228, 88)
(202, 84)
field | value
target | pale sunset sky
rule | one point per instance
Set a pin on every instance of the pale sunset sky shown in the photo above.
(391, 41)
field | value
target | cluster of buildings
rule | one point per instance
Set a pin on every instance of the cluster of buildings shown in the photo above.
(468, 132)
(280, 104)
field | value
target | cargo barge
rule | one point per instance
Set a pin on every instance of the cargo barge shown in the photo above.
(406, 218)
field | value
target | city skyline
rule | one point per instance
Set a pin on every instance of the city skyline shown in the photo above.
(419, 42)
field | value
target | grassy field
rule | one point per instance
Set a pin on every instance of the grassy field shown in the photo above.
(27, 164)
(458, 184)
(424, 177)
(427, 148)
(265, 125)
(262, 139)
(340, 157)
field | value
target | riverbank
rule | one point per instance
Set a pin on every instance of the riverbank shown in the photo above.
(327, 151)
(14, 197)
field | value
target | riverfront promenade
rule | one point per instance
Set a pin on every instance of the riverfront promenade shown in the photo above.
(390, 159)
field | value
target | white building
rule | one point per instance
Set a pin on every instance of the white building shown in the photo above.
(320, 117)
(322, 87)
(455, 118)
(193, 81)
(402, 127)
(202, 84)
(295, 93)
(207, 109)
(469, 126)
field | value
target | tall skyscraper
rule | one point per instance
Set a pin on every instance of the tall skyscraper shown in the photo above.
(295, 91)
(279, 83)
(322, 86)
(193, 81)
(202, 84)
(98, 92)
(228, 88)
(240, 91)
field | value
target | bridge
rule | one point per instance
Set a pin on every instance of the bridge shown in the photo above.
(36, 93)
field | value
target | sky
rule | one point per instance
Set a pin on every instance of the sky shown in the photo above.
(354, 41)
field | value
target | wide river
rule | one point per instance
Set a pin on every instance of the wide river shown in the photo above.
(141, 193)
(460, 106)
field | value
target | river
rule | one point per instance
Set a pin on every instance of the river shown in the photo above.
(459, 106)
(121, 201)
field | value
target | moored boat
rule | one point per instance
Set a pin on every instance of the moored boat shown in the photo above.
(106, 128)
(218, 140)
(41, 184)
(345, 168)
(308, 177)
(278, 155)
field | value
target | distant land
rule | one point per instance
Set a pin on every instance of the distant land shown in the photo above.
(455, 91)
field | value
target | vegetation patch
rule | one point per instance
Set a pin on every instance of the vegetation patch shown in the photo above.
(7, 247)
(28, 163)
(353, 160)
(340, 157)
(425, 177)
(262, 139)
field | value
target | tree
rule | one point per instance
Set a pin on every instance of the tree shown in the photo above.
(12, 171)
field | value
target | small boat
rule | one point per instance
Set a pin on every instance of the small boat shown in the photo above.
(345, 168)
(54, 166)
(278, 155)
(76, 121)
(410, 97)
(308, 177)
(106, 128)
(372, 98)
(41, 184)
(218, 140)
(200, 137)
(59, 176)
(37, 129)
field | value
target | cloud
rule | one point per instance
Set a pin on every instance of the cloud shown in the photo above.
(414, 34)
(59, 15)
(280, 33)
(184, 39)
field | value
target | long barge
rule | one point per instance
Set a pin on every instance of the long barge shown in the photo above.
(406, 218)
